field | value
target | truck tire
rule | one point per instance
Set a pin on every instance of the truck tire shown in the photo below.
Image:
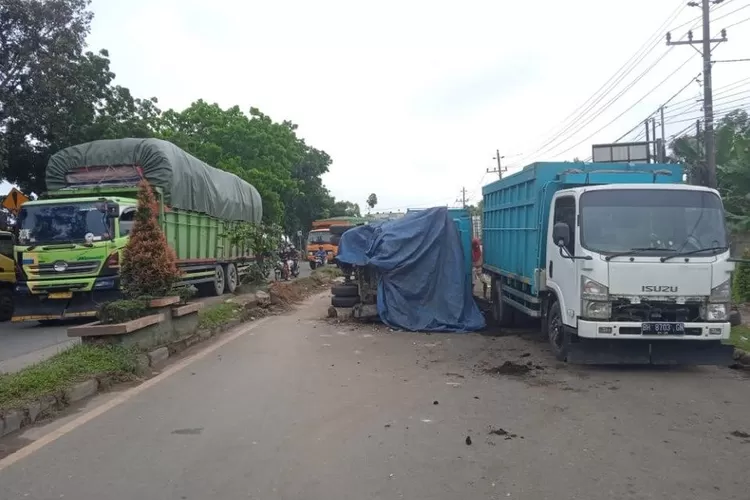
(345, 290)
(6, 304)
(232, 278)
(313, 265)
(502, 313)
(214, 288)
(559, 337)
(337, 301)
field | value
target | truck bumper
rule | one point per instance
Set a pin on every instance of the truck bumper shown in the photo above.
(622, 330)
(39, 307)
(605, 343)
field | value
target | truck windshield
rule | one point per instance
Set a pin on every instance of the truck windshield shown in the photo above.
(61, 223)
(654, 221)
(318, 237)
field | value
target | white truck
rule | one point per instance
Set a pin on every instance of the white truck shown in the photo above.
(622, 263)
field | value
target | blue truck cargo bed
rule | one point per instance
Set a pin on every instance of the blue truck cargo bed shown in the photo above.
(516, 209)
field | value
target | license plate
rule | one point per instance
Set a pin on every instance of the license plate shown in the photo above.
(663, 329)
(60, 295)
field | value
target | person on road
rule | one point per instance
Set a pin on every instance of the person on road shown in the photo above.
(476, 264)
(321, 254)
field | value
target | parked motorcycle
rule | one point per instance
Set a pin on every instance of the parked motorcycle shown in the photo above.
(293, 265)
(278, 270)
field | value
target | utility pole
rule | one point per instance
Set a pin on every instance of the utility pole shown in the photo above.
(499, 170)
(663, 149)
(708, 103)
(653, 139)
(463, 197)
(648, 142)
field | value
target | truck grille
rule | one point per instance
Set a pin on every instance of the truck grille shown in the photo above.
(652, 310)
(80, 267)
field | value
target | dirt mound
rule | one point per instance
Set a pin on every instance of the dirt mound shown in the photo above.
(509, 368)
(286, 293)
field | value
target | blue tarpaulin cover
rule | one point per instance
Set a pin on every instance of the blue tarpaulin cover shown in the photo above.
(423, 284)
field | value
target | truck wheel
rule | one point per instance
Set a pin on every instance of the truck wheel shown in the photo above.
(313, 265)
(6, 305)
(232, 278)
(344, 301)
(559, 338)
(214, 288)
(501, 312)
(345, 290)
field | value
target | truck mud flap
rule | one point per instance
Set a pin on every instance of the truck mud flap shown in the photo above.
(638, 352)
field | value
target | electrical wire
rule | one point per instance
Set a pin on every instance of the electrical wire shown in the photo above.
(730, 13)
(738, 22)
(609, 85)
(626, 110)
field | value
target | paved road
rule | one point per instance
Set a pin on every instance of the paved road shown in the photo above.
(23, 344)
(297, 408)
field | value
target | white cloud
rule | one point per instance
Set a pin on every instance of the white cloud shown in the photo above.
(411, 99)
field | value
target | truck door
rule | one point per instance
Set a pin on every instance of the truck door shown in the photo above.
(561, 271)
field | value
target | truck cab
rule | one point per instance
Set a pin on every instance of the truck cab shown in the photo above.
(639, 261)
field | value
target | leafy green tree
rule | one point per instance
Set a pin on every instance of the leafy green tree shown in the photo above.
(345, 209)
(54, 93)
(372, 200)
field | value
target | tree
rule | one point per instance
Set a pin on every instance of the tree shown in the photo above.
(372, 200)
(149, 264)
(53, 93)
(255, 148)
(344, 209)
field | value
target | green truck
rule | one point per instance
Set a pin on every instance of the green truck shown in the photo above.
(70, 241)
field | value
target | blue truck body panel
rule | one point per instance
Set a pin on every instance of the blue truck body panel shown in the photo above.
(516, 209)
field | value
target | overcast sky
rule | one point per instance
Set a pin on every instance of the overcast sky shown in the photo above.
(411, 99)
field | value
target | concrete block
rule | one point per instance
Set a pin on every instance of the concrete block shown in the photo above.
(11, 422)
(33, 410)
(143, 364)
(82, 390)
(191, 341)
(262, 297)
(159, 355)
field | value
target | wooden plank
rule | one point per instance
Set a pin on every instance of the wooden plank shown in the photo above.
(98, 329)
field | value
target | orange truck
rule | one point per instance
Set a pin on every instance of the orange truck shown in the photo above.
(321, 236)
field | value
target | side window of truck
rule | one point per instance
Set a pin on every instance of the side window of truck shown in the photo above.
(565, 211)
(126, 221)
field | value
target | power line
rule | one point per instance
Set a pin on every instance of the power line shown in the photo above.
(609, 85)
(738, 22)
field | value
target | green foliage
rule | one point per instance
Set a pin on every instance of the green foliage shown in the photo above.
(740, 337)
(733, 165)
(263, 240)
(344, 209)
(218, 315)
(53, 93)
(149, 266)
(121, 311)
(372, 200)
(741, 280)
(65, 369)
(185, 293)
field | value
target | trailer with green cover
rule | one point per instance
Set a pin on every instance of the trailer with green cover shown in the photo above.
(70, 241)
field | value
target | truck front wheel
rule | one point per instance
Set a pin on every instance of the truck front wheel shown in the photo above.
(559, 337)
(6, 304)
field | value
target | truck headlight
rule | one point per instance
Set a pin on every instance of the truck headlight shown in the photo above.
(716, 312)
(593, 290)
(594, 299)
(721, 293)
(595, 310)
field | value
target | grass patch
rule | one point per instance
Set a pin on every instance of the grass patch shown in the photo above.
(65, 369)
(329, 272)
(214, 316)
(740, 337)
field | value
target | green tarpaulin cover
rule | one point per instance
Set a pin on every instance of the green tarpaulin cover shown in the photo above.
(187, 182)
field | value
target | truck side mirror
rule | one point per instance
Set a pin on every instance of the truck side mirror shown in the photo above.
(113, 210)
(561, 234)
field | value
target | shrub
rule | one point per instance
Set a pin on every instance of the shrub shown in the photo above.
(741, 282)
(120, 311)
(149, 266)
(263, 241)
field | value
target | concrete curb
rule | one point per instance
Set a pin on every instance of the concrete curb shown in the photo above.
(16, 419)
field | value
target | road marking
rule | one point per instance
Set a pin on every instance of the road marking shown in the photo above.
(56, 434)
